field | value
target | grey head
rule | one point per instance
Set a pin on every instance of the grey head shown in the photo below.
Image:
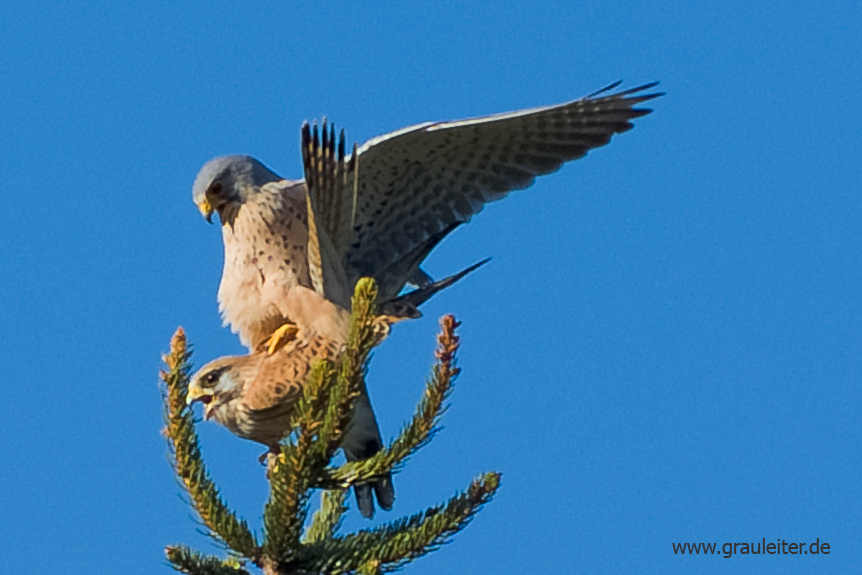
(226, 182)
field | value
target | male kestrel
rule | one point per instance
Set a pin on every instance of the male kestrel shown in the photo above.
(401, 194)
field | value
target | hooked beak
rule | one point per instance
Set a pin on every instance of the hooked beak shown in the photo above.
(206, 210)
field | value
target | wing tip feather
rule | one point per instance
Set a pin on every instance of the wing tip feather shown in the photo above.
(628, 92)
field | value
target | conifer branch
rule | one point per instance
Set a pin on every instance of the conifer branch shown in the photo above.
(186, 560)
(291, 471)
(327, 520)
(389, 547)
(220, 521)
(286, 509)
(366, 332)
(321, 416)
(320, 421)
(425, 421)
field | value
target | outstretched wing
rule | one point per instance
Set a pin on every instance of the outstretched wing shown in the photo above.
(420, 182)
(381, 210)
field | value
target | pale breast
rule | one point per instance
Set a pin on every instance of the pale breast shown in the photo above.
(265, 256)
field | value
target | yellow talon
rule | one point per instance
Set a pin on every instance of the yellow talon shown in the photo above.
(280, 337)
(381, 325)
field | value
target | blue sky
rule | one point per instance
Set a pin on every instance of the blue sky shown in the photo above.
(665, 347)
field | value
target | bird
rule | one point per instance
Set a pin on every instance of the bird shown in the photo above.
(254, 395)
(294, 249)
(293, 253)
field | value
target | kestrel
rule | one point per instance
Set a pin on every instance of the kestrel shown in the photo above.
(254, 395)
(399, 196)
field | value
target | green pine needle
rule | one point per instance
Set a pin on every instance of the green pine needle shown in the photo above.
(389, 547)
(220, 521)
(327, 520)
(186, 560)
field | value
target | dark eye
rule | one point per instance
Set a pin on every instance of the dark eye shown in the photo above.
(211, 378)
(215, 188)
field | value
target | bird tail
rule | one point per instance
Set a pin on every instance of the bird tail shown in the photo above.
(361, 441)
(383, 490)
(407, 306)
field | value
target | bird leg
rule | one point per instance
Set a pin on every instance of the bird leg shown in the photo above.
(275, 450)
(280, 337)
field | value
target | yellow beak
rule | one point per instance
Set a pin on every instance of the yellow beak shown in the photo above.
(194, 394)
(206, 210)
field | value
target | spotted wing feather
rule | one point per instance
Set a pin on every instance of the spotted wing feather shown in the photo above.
(417, 182)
